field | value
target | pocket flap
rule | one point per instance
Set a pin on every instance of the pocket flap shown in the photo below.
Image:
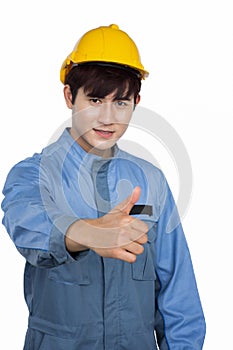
(76, 272)
(143, 268)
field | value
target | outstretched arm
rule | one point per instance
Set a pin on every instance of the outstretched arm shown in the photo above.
(48, 236)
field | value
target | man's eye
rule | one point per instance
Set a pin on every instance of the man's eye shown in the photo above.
(121, 104)
(95, 100)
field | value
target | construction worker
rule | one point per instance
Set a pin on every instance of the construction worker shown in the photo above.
(102, 269)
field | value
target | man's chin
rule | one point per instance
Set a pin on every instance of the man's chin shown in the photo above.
(104, 149)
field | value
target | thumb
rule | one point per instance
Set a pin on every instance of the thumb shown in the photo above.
(129, 202)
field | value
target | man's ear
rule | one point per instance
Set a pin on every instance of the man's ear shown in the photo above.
(68, 96)
(138, 98)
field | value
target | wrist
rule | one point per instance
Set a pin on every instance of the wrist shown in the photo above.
(73, 238)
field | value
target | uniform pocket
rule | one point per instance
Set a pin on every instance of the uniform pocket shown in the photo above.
(47, 335)
(143, 268)
(76, 272)
(44, 341)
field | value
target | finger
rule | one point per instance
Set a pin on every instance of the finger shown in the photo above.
(125, 237)
(134, 248)
(139, 225)
(126, 256)
(129, 202)
(130, 232)
(138, 231)
(135, 196)
(143, 239)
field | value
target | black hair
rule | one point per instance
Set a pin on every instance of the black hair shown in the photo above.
(100, 80)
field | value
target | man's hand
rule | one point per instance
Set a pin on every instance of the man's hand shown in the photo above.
(115, 235)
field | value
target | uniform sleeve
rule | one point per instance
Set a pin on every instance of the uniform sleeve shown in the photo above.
(179, 321)
(34, 223)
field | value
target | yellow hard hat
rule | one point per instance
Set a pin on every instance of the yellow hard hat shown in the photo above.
(105, 44)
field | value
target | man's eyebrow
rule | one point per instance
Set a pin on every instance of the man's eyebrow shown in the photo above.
(116, 98)
(122, 98)
(92, 95)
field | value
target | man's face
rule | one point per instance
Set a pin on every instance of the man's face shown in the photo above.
(98, 123)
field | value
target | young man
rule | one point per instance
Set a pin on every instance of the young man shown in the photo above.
(105, 266)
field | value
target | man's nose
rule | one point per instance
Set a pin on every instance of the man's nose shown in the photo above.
(107, 113)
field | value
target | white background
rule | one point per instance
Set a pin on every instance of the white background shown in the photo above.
(187, 47)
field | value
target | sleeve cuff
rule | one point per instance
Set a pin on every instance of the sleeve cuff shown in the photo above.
(57, 239)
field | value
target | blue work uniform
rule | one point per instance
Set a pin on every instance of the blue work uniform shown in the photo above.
(82, 301)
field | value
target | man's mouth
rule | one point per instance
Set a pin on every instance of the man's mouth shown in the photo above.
(104, 133)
